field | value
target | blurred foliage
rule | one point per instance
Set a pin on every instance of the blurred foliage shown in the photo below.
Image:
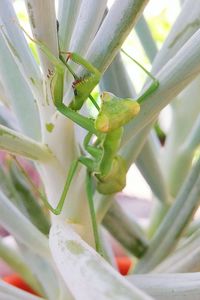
(159, 26)
(24, 22)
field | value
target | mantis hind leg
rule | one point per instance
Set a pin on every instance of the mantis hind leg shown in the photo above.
(89, 190)
(72, 170)
(58, 209)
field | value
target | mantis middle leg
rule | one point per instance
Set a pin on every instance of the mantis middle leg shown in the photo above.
(152, 88)
(89, 190)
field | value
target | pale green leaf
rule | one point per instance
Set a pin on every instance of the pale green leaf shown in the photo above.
(16, 143)
(77, 262)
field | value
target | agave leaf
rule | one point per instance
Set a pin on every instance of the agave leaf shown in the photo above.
(88, 20)
(44, 270)
(77, 261)
(9, 292)
(126, 230)
(34, 211)
(146, 38)
(19, 93)
(186, 24)
(147, 162)
(67, 15)
(19, 47)
(193, 140)
(108, 40)
(18, 225)
(150, 167)
(43, 24)
(16, 262)
(173, 78)
(193, 227)
(62, 133)
(3, 95)
(16, 143)
(183, 140)
(179, 260)
(9, 190)
(174, 223)
(169, 286)
(7, 118)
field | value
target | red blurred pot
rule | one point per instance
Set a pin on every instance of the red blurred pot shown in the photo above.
(124, 264)
(16, 281)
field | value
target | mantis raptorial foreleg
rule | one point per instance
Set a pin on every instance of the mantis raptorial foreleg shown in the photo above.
(83, 86)
(89, 190)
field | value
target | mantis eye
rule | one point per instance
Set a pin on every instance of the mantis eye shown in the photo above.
(106, 96)
(102, 123)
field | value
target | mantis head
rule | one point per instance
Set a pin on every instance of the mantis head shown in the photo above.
(115, 112)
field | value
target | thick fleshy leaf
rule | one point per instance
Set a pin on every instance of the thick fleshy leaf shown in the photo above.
(174, 223)
(16, 262)
(115, 28)
(184, 286)
(21, 228)
(173, 78)
(143, 31)
(46, 273)
(19, 94)
(126, 230)
(67, 14)
(34, 211)
(88, 20)
(43, 23)
(19, 47)
(179, 261)
(16, 143)
(9, 292)
(79, 265)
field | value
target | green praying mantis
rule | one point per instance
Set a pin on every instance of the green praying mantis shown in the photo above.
(101, 158)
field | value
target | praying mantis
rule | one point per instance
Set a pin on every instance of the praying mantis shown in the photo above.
(101, 158)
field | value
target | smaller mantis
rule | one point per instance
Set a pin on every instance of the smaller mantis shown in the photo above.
(102, 161)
